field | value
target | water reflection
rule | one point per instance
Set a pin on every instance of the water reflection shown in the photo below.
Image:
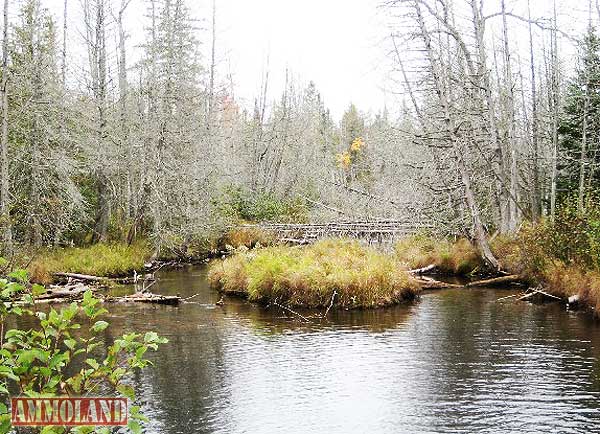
(458, 361)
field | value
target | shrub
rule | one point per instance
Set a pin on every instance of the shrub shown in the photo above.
(238, 204)
(52, 358)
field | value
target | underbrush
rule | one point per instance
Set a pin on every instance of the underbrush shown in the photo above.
(308, 277)
(106, 260)
(238, 204)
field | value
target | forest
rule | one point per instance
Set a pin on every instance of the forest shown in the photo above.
(485, 138)
(117, 161)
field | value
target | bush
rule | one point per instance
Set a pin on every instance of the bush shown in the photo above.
(308, 277)
(238, 204)
(52, 358)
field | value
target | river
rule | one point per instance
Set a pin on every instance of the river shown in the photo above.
(456, 361)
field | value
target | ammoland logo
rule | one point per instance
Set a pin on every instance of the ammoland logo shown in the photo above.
(67, 411)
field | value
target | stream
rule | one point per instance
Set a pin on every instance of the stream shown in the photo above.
(457, 361)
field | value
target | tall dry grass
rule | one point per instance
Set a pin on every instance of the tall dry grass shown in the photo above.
(450, 257)
(105, 260)
(308, 277)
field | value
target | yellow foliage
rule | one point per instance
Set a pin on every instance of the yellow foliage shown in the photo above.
(357, 144)
(344, 160)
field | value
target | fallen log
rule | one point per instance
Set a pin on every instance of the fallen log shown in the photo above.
(146, 298)
(429, 283)
(573, 301)
(100, 279)
(78, 276)
(423, 270)
(55, 293)
(503, 280)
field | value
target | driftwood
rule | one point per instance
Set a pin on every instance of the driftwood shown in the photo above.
(429, 283)
(508, 296)
(85, 277)
(573, 301)
(139, 297)
(503, 280)
(99, 279)
(538, 292)
(423, 270)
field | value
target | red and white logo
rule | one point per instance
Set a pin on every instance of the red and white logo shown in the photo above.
(67, 411)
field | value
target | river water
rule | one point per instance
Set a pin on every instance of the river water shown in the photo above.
(457, 361)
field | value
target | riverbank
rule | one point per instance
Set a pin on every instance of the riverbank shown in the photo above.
(540, 255)
(119, 259)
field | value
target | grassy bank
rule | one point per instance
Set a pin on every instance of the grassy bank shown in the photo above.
(562, 256)
(458, 257)
(106, 260)
(308, 277)
(121, 259)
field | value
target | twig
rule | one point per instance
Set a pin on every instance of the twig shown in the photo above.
(330, 303)
(291, 311)
(508, 296)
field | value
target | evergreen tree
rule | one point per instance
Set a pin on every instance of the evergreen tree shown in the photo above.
(579, 128)
(45, 193)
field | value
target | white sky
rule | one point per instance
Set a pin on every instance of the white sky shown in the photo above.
(335, 43)
(331, 42)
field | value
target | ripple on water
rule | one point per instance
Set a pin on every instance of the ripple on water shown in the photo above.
(457, 362)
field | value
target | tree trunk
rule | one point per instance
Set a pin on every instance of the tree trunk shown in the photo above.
(536, 196)
(5, 225)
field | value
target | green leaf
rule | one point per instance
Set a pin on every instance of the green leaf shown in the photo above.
(126, 390)
(38, 290)
(93, 363)
(99, 326)
(134, 426)
(19, 275)
(5, 423)
(150, 337)
(59, 360)
(71, 343)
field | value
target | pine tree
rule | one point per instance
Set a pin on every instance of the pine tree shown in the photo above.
(44, 190)
(579, 127)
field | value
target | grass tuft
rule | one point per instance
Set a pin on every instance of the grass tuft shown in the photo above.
(456, 258)
(105, 260)
(307, 277)
(246, 236)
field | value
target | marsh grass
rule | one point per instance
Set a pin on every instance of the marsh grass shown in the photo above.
(105, 260)
(249, 237)
(308, 276)
(450, 257)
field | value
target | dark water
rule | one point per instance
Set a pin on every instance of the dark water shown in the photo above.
(458, 361)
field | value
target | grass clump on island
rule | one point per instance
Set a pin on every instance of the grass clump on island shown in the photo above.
(104, 260)
(309, 276)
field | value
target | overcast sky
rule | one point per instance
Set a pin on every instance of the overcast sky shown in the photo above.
(335, 43)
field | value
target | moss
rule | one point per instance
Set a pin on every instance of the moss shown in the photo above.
(308, 277)
(107, 260)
